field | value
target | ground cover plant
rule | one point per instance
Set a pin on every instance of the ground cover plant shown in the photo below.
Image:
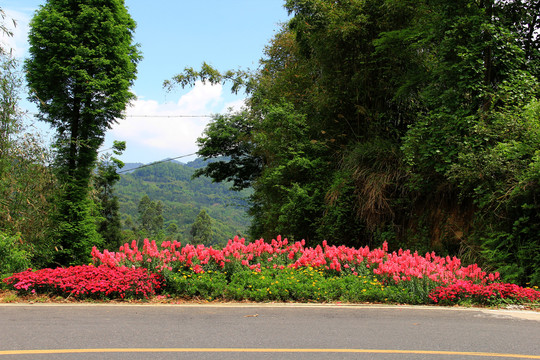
(276, 271)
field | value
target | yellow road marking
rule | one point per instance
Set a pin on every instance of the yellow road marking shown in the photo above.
(263, 350)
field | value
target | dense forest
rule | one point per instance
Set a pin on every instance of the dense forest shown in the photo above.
(414, 122)
(411, 122)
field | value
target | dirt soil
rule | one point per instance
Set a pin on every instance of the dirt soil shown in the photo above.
(11, 297)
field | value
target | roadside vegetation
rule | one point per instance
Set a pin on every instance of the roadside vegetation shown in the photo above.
(276, 271)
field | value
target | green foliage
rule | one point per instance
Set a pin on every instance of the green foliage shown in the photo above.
(185, 283)
(75, 219)
(10, 115)
(366, 193)
(201, 230)
(511, 195)
(105, 178)
(238, 78)
(300, 285)
(27, 185)
(291, 161)
(340, 222)
(27, 192)
(81, 65)
(13, 256)
(150, 217)
(287, 195)
(228, 136)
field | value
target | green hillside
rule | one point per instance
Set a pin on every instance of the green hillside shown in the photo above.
(183, 198)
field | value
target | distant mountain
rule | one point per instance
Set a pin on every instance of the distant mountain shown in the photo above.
(199, 162)
(183, 198)
(129, 167)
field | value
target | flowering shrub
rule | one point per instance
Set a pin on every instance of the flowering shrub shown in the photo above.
(399, 266)
(88, 281)
(490, 294)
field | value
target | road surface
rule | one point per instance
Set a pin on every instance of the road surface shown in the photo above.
(268, 331)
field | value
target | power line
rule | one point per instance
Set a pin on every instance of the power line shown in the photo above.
(169, 116)
(160, 116)
(155, 163)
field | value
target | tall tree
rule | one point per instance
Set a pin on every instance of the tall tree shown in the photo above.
(150, 217)
(201, 230)
(81, 65)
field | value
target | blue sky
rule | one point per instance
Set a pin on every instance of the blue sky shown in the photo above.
(174, 34)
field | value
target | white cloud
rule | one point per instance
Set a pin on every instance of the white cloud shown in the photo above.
(202, 98)
(154, 130)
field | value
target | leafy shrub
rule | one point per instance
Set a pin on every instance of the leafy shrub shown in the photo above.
(285, 284)
(13, 258)
(311, 284)
(186, 283)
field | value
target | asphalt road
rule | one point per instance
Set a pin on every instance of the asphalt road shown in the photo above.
(265, 332)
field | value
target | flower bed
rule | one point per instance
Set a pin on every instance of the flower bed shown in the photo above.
(399, 266)
(88, 281)
(259, 271)
(276, 271)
